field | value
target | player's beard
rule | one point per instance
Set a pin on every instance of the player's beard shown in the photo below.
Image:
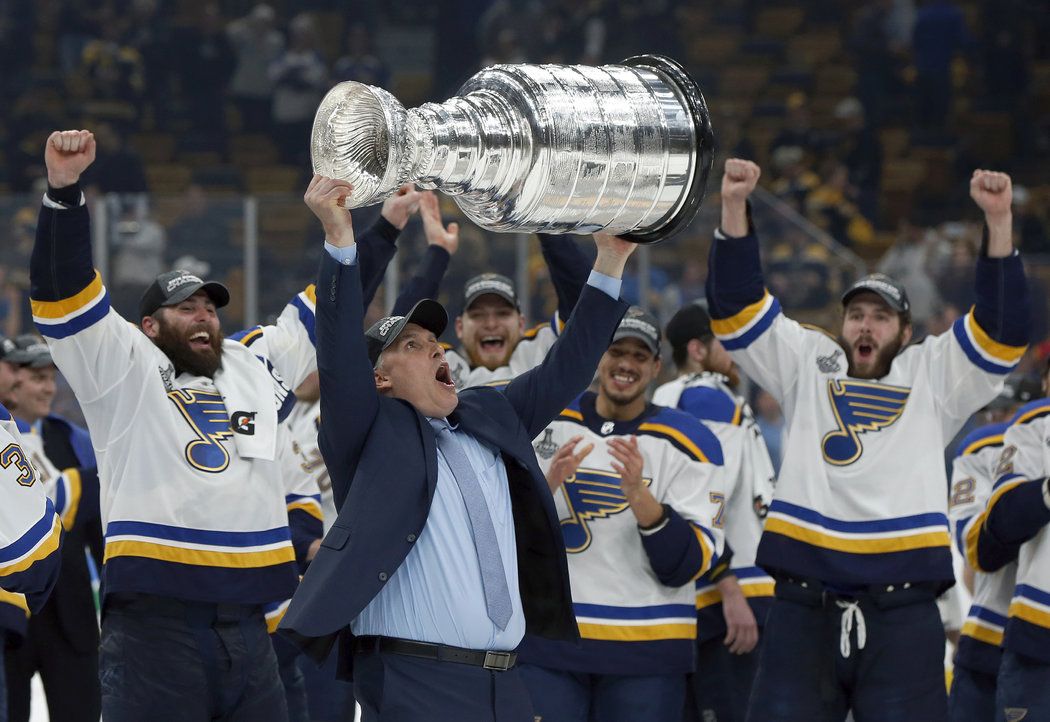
(883, 359)
(177, 348)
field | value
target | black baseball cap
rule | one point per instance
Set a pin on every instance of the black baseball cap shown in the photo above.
(1018, 389)
(690, 321)
(29, 350)
(176, 286)
(641, 325)
(486, 283)
(888, 289)
(428, 313)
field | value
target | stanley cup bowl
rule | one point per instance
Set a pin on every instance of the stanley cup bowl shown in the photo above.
(623, 148)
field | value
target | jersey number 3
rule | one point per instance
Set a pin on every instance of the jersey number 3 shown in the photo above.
(12, 455)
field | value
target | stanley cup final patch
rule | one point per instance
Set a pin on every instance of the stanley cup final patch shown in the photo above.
(545, 447)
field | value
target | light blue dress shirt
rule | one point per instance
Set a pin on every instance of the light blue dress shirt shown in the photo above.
(436, 595)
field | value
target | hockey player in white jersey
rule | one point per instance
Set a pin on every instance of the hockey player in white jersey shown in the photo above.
(639, 492)
(1014, 525)
(30, 533)
(857, 534)
(733, 599)
(185, 425)
(979, 651)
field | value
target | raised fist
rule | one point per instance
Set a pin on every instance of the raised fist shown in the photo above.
(992, 191)
(739, 179)
(67, 154)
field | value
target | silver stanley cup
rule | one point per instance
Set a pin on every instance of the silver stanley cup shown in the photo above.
(534, 148)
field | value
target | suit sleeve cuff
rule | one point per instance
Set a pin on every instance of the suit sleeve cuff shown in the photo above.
(346, 256)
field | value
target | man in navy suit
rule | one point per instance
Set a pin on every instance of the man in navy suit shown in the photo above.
(447, 545)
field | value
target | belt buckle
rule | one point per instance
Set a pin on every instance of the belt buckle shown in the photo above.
(498, 661)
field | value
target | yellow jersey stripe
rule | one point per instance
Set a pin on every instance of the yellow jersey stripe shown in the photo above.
(982, 634)
(733, 324)
(636, 633)
(1007, 354)
(1038, 617)
(59, 309)
(676, 435)
(310, 506)
(705, 551)
(75, 489)
(199, 557)
(883, 545)
(572, 414)
(44, 549)
(15, 600)
(974, 531)
(981, 443)
(311, 294)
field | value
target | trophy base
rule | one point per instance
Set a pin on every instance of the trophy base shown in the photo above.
(705, 144)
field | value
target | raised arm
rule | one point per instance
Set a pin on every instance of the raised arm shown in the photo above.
(745, 317)
(442, 244)
(568, 268)
(987, 342)
(349, 400)
(376, 246)
(541, 393)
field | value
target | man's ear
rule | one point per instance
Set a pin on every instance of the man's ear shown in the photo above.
(150, 326)
(459, 327)
(697, 350)
(383, 383)
(906, 335)
(521, 323)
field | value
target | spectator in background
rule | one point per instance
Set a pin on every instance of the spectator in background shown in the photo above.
(1029, 226)
(873, 57)
(119, 167)
(794, 180)
(300, 79)
(138, 244)
(770, 422)
(833, 207)
(360, 62)
(200, 231)
(952, 281)
(256, 45)
(205, 69)
(798, 272)
(112, 69)
(859, 147)
(940, 34)
(798, 127)
(909, 261)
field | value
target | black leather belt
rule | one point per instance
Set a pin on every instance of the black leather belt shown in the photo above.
(495, 661)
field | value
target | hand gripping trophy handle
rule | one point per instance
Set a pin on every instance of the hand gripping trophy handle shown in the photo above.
(534, 148)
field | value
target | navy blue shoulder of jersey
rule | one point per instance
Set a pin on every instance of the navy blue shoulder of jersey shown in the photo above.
(981, 438)
(710, 404)
(23, 426)
(248, 336)
(684, 431)
(5, 415)
(1031, 411)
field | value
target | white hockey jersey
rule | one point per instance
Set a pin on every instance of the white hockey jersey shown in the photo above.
(191, 492)
(749, 480)
(305, 458)
(1019, 492)
(633, 592)
(30, 530)
(973, 476)
(860, 497)
(527, 355)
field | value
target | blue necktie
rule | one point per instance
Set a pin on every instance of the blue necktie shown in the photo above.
(493, 575)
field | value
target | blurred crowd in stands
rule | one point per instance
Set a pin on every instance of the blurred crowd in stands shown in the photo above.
(866, 118)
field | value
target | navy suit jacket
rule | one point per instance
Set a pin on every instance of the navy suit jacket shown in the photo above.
(382, 459)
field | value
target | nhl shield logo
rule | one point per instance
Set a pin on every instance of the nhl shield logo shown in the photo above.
(607, 428)
(545, 447)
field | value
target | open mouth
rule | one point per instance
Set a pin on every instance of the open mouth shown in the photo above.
(865, 351)
(624, 380)
(493, 344)
(200, 340)
(444, 376)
